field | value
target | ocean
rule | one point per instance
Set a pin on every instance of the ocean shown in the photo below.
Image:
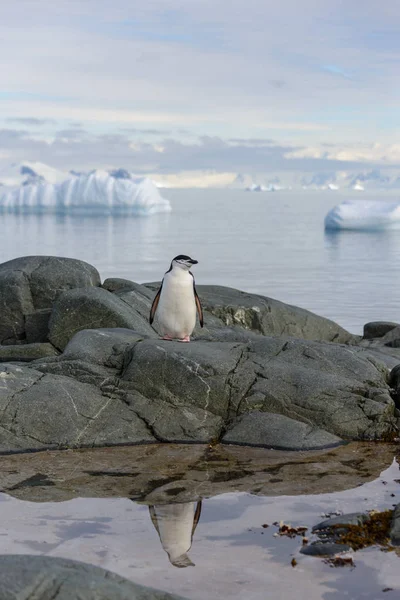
(268, 243)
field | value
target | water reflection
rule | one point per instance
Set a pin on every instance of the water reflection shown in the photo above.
(175, 525)
(78, 504)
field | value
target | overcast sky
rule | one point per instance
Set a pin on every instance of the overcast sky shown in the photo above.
(230, 85)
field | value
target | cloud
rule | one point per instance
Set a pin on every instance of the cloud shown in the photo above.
(81, 150)
(213, 66)
(216, 85)
(137, 130)
(30, 120)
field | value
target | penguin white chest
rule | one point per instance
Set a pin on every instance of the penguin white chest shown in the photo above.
(176, 311)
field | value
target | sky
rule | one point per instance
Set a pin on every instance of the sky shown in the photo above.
(222, 86)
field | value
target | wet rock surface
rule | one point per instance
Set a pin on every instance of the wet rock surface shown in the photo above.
(165, 473)
(260, 372)
(354, 531)
(42, 577)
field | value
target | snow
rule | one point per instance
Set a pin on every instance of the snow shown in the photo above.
(364, 215)
(97, 192)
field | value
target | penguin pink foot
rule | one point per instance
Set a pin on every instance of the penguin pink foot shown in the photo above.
(185, 339)
(167, 337)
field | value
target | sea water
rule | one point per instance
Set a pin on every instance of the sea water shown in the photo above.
(268, 243)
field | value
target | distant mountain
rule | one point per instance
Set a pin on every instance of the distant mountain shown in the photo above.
(375, 179)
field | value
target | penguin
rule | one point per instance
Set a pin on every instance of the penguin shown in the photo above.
(175, 525)
(176, 301)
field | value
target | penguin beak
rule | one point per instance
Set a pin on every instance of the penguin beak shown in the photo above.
(193, 262)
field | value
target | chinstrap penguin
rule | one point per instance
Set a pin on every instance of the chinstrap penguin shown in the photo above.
(176, 301)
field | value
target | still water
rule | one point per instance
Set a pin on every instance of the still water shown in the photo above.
(269, 243)
(231, 554)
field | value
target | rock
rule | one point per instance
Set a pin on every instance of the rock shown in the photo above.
(117, 284)
(341, 521)
(180, 390)
(37, 325)
(51, 411)
(279, 432)
(394, 376)
(267, 316)
(395, 527)
(93, 308)
(391, 338)
(320, 548)
(194, 391)
(32, 283)
(78, 370)
(45, 577)
(96, 346)
(377, 329)
(137, 298)
(26, 352)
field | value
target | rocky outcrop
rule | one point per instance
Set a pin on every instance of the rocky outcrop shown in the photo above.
(28, 288)
(266, 315)
(114, 386)
(40, 577)
(26, 352)
(90, 309)
(259, 373)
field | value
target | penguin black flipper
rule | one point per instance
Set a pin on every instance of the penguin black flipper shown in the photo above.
(155, 303)
(196, 517)
(153, 518)
(198, 303)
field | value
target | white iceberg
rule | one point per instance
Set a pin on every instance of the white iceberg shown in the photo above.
(28, 172)
(99, 192)
(364, 215)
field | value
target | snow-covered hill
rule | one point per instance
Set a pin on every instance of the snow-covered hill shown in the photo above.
(97, 192)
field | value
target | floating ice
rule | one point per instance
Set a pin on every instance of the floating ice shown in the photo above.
(364, 215)
(99, 192)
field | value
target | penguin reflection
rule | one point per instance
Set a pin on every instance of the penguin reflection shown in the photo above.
(175, 525)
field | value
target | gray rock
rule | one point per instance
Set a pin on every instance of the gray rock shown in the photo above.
(31, 283)
(180, 389)
(51, 411)
(391, 338)
(320, 548)
(279, 432)
(194, 391)
(138, 297)
(267, 316)
(97, 345)
(395, 527)
(93, 308)
(341, 521)
(78, 370)
(26, 352)
(377, 329)
(37, 325)
(117, 284)
(43, 578)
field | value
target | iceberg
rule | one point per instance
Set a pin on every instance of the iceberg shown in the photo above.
(28, 172)
(364, 215)
(98, 192)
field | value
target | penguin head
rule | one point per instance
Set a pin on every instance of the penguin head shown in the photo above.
(183, 262)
